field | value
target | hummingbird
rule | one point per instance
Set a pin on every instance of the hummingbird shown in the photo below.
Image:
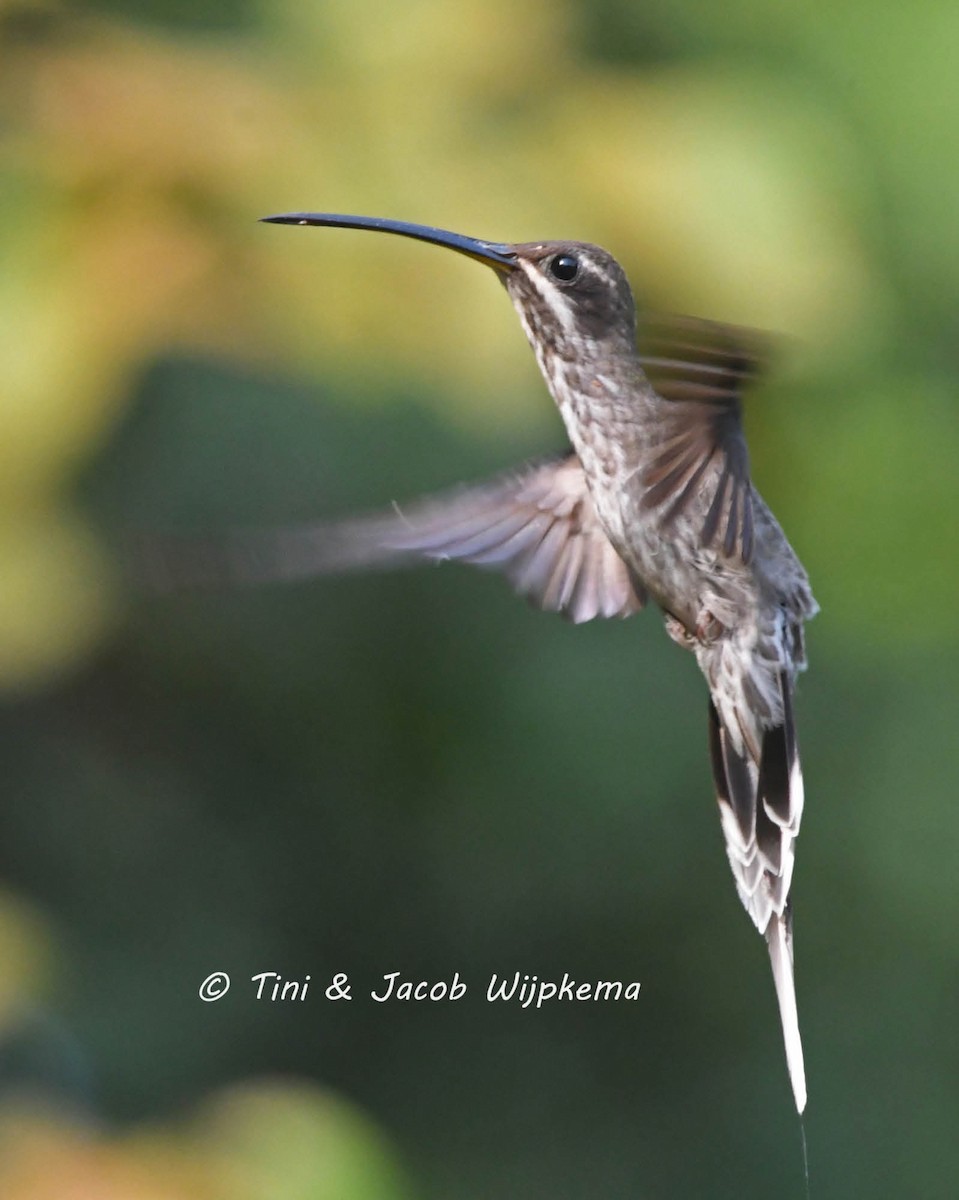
(653, 501)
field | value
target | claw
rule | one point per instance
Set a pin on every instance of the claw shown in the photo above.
(678, 632)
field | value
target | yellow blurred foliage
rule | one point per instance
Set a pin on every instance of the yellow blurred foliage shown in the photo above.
(26, 952)
(56, 599)
(295, 1141)
(45, 1159)
(277, 1140)
(136, 163)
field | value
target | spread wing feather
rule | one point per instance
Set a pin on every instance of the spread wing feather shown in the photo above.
(537, 525)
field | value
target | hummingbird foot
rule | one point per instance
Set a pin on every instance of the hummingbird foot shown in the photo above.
(709, 629)
(678, 632)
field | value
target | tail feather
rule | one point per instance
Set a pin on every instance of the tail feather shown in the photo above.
(760, 805)
(780, 942)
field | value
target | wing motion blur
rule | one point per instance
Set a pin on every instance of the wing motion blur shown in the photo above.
(536, 525)
(703, 367)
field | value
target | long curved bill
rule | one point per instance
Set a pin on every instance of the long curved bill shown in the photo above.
(494, 254)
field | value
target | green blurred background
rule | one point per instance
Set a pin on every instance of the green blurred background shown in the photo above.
(418, 773)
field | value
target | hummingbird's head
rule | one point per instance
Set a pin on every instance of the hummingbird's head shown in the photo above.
(570, 296)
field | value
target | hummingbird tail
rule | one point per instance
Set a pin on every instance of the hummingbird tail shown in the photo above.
(779, 940)
(760, 804)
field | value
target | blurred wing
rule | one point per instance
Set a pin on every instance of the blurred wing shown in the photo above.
(537, 526)
(703, 367)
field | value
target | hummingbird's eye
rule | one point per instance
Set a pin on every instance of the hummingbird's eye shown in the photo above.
(564, 267)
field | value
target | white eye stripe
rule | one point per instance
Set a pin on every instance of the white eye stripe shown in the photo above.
(557, 303)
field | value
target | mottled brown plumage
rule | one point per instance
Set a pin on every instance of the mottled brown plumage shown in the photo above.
(654, 500)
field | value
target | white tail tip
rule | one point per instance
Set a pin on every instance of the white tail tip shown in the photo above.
(779, 939)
